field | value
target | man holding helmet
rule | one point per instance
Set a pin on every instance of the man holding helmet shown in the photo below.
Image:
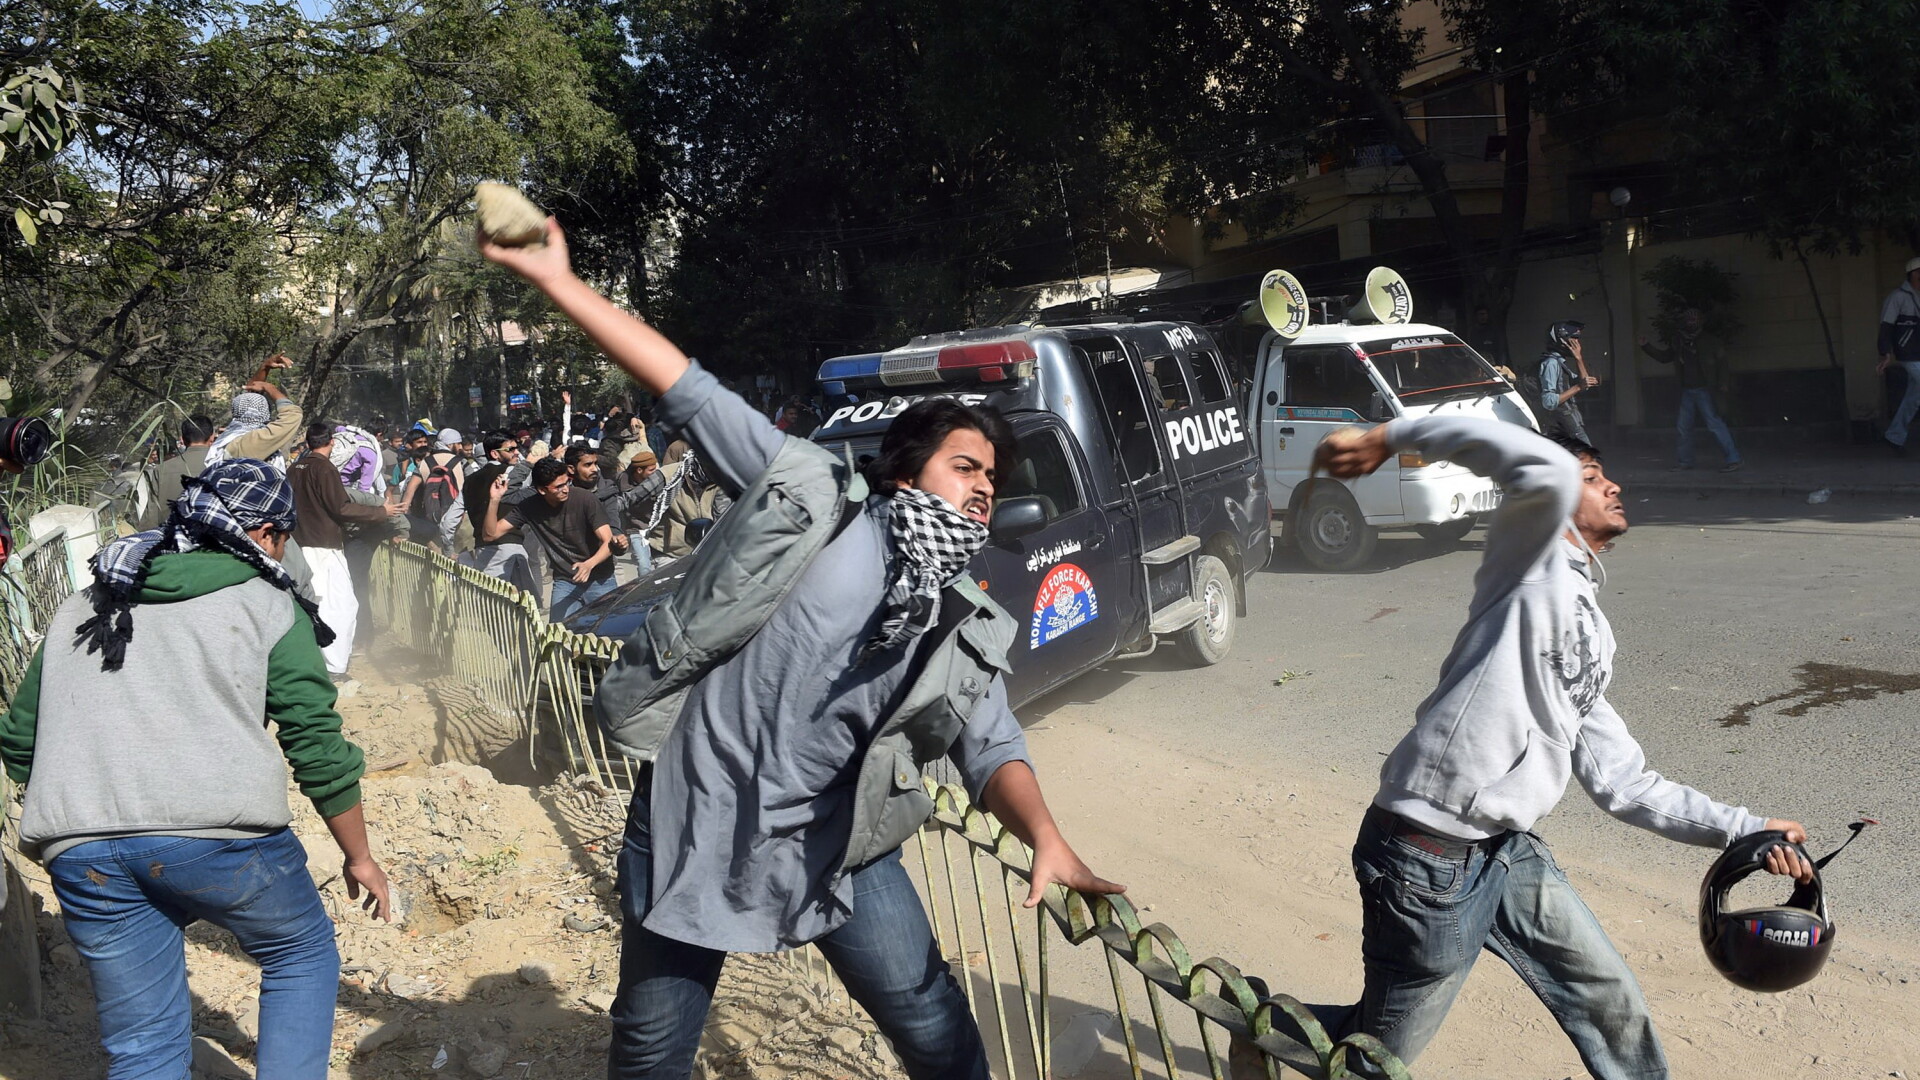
(1447, 860)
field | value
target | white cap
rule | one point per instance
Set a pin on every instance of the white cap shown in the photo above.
(1913, 264)
(449, 437)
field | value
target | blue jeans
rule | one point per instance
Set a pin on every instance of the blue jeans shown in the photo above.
(1425, 918)
(884, 952)
(1699, 403)
(126, 902)
(1909, 404)
(639, 552)
(1565, 420)
(570, 596)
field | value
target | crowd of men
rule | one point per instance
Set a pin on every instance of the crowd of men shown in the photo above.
(566, 508)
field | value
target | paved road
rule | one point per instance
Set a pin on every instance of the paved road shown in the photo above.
(1717, 602)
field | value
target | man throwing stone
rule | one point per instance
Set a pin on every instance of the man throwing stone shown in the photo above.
(1446, 859)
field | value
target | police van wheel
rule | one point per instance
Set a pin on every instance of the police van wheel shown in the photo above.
(1333, 534)
(1447, 532)
(1210, 638)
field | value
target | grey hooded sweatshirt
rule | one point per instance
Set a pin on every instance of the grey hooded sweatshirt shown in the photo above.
(1521, 707)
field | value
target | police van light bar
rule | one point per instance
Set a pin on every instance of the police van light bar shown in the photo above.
(841, 368)
(995, 361)
(992, 361)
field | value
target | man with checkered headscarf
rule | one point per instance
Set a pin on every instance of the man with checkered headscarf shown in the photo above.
(265, 422)
(849, 643)
(150, 729)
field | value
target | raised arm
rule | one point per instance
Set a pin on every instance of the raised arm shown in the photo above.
(640, 350)
(1540, 482)
(492, 527)
(287, 423)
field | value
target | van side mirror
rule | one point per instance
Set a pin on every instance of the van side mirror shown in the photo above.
(1378, 410)
(1015, 518)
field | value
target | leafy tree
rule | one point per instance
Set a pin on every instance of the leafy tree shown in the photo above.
(835, 176)
(1290, 81)
(247, 167)
(438, 97)
(1680, 283)
(1801, 116)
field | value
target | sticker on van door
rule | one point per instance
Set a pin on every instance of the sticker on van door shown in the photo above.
(1207, 431)
(1066, 602)
(1296, 412)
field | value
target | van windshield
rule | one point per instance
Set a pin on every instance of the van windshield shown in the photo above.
(1425, 370)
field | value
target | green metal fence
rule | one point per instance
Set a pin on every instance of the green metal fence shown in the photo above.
(540, 677)
(32, 584)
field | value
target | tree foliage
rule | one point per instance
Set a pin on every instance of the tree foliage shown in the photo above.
(251, 179)
(1803, 116)
(835, 175)
(778, 180)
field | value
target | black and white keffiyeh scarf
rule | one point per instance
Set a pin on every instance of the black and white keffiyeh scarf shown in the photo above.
(932, 545)
(214, 511)
(251, 412)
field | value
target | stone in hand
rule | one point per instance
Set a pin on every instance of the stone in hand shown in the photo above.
(508, 218)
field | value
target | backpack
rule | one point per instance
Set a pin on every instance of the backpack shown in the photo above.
(1530, 393)
(349, 442)
(440, 491)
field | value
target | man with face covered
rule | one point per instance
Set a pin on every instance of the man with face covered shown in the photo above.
(265, 422)
(832, 637)
(692, 495)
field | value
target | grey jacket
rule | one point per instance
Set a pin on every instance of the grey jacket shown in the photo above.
(1521, 707)
(177, 741)
(739, 575)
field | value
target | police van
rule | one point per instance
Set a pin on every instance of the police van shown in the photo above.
(1136, 509)
(1375, 365)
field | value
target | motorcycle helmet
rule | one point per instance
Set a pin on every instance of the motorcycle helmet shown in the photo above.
(1562, 332)
(1768, 949)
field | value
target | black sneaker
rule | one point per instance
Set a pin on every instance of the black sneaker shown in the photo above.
(1898, 448)
(1731, 466)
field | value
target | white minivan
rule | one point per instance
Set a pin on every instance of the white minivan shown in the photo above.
(1359, 375)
